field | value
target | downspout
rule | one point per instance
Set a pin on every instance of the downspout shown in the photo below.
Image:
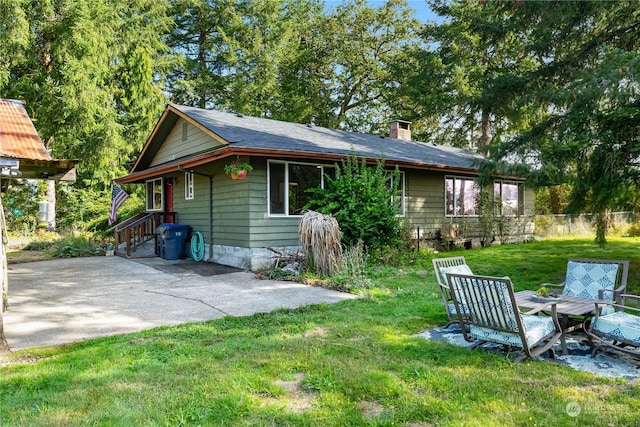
(210, 207)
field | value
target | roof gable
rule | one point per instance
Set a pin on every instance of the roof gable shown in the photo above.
(18, 137)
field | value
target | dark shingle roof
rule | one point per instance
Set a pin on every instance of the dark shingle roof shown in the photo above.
(266, 134)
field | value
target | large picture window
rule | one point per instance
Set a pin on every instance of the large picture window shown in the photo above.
(288, 183)
(461, 196)
(512, 196)
(155, 195)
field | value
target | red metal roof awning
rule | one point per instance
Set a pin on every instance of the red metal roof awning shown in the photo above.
(21, 146)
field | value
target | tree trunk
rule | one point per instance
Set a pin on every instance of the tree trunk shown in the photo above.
(4, 346)
(484, 138)
(554, 200)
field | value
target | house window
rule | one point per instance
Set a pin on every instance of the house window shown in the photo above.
(288, 183)
(512, 196)
(155, 195)
(188, 186)
(461, 196)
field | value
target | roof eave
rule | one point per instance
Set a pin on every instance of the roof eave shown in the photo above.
(211, 156)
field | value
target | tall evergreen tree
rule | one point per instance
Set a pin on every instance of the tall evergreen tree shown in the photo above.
(558, 84)
(87, 70)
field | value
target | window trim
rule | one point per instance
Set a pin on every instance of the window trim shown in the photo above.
(520, 193)
(286, 164)
(323, 167)
(148, 198)
(454, 178)
(189, 190)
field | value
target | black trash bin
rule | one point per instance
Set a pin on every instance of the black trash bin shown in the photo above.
(171, 240)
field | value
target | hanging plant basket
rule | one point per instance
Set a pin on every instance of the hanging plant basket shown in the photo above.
(238, 170)
(241, 174)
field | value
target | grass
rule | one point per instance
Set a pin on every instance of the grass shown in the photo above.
(354, 363)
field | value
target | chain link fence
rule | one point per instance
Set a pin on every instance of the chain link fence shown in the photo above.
(580, 225)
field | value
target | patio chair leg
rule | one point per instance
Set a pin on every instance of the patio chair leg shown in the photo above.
(594, 351)
(563, 343)
(552, 353)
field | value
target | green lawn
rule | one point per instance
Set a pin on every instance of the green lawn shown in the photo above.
(348, 364)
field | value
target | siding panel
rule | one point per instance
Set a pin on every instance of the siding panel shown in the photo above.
(174, 148)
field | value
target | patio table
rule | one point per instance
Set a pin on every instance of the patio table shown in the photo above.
(567, 306)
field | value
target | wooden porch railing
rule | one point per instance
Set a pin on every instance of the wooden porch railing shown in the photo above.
(136, 231)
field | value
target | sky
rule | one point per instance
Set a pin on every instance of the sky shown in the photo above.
(423, 13)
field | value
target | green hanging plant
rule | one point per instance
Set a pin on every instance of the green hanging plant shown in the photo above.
(238, 170)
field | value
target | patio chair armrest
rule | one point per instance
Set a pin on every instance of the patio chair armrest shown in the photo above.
(620, 307)
(617, 293)
(630, 296)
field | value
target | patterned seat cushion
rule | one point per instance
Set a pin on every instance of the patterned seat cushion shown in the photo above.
(536, 328)
(452, 308)
(456, 269)
(586, 279)
(620, 324)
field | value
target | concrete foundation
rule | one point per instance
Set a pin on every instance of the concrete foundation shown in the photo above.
(246, 258)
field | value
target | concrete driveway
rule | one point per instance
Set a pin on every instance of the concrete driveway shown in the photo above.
(68, 300)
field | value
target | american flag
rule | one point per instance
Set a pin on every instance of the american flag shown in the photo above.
(118, 196)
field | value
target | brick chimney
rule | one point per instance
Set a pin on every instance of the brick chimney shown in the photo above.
(400, 130)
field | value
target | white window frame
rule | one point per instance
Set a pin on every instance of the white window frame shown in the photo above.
(286, 184)
(323, 168)
(499, 195)
(189, 192)
(151, 197)
(456, 178)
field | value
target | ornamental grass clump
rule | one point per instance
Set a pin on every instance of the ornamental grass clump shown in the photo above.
(321, 238)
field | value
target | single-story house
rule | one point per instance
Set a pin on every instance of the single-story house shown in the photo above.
(182, 167)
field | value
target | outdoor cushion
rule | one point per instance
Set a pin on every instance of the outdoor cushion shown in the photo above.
(620, 324)
(452, 308)
(503, 312)
(456, 269)
(586, 279)
(536, 328)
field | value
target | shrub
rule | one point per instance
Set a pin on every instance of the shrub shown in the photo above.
(363, 201)
(75, 244)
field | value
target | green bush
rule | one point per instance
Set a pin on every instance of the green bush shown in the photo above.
(21, 205)
(76, 244)
(363, 200)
